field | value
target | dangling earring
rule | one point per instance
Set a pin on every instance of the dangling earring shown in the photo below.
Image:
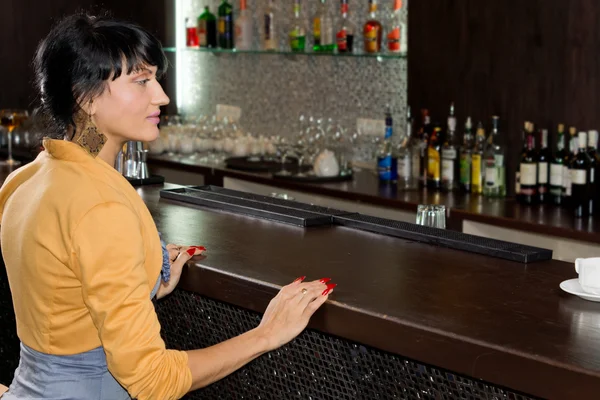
(90, 138)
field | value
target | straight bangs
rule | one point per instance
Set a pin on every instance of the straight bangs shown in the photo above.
(126, 46)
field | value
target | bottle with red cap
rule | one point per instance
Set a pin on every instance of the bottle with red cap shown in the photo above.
(345, 32)
(395, 29)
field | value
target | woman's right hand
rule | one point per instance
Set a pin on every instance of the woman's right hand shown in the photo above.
(289, 312)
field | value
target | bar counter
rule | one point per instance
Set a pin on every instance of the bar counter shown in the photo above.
(365, 188)
(407, 320)
(502, 322)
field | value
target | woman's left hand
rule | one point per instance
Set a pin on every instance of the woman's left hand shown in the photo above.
(178, 256)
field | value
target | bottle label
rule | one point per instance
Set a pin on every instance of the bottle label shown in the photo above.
(465, 169)
(387, 170)
(556, 175)
(499, 160)
(542, 173)
(416, 165)
(388, 132)
(447, 170)
(476, 170)
(491, 176)
(528, 174)
(567, 180)
(449, 154)
(202, 33)
(517, 182)
(342, 40)
(393, 40)
(433, 164)
(404, 167)
(578, 177)
(370, 35)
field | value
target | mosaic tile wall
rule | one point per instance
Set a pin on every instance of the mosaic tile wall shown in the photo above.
(273, 90)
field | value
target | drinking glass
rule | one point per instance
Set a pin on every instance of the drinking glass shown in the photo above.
(431, 215)
(11, 119)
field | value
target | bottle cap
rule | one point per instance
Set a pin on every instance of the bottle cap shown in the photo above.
(561, 128)
(468, 124)
(572, 131)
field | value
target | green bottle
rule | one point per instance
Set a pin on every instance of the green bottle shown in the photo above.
(207, 29)
(225, 25)
(298, 30)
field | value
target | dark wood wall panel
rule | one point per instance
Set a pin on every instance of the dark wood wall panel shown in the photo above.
(533, 59)
(23, 23)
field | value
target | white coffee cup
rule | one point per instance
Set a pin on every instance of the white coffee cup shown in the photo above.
(589, 274)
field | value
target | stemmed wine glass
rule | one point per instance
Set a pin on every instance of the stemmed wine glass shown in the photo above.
(12, 119)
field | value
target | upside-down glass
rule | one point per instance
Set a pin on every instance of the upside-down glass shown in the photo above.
(431, 215)
(12, 119)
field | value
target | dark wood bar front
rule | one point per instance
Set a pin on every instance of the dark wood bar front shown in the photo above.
(494, 320)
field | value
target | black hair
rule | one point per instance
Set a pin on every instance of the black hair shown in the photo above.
(80, 54)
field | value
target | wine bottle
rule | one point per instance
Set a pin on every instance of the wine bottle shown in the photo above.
(466, 151)
(424, 134)
(580, 179)
(434, 170)
(477, 167)
(556, 167)
(495, 179)
(570, 154)
(528, 173)
(527, 128)
(543, 160)
(450, 155)
(594, 170)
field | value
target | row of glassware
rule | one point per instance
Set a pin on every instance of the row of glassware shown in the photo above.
(210, 139)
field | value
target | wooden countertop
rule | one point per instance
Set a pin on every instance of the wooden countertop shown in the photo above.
(506, 212)
(500, 321)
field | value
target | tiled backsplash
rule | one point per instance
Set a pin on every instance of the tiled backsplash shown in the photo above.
(273, 90)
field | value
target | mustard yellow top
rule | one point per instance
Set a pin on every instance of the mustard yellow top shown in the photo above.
(82, 255)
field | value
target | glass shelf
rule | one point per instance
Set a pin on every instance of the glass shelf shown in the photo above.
(380, 56)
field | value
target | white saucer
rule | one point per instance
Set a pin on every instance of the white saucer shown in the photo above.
(572, 286)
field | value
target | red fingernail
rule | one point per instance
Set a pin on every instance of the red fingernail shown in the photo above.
(324, 280)
(331, 285)
(191, 251)
(329, 289)
(326, 292)
(300, 279)
(201, 248)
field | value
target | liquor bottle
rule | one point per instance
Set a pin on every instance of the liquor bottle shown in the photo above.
(323, 29)
(544, 157)
(527, 129)
(594, 170)
(466, 151)
(269, 39)
(395, 29)
(495, 177)
(225, 28)
(424, 134)
(345, 32)
(477, 161)
(450, 168)
(207, 29)
(387, 164)
(556, 168)
(191, 33)
(298, 31)
(580, 179)
(570, 155)
(528, 172)
(372, 30)
(434, 167)
(404, 156)
(243, 28)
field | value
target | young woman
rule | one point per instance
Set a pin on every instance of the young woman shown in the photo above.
(82, 252)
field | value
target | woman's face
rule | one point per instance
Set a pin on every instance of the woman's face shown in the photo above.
(129, 107)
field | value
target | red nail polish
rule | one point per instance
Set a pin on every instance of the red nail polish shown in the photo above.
(300, 279)
(331, 285)
(201, 248)
(191, 251)
(326, 292)
(324, 280)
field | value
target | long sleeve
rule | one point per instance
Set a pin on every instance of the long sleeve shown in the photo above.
(109, 250)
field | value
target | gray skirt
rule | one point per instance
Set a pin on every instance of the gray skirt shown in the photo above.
(83, 376)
